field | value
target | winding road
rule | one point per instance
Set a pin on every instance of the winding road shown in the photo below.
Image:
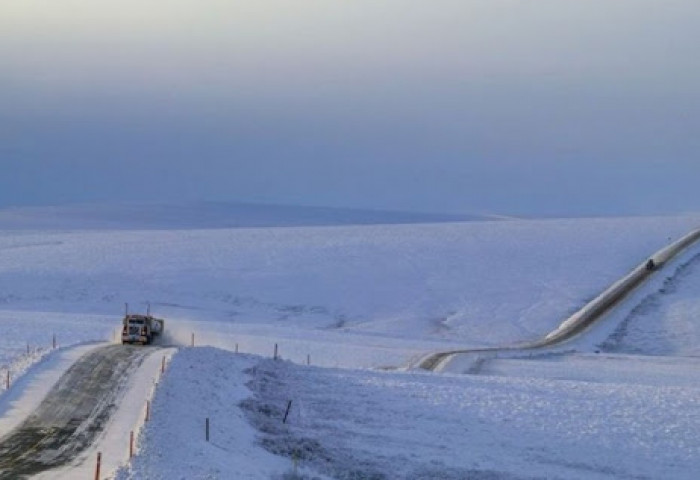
(72, 415)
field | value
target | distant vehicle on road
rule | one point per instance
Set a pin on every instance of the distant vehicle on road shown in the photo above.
(137, 328)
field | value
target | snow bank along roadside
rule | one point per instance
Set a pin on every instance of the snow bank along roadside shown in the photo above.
(29, 390)
(583, 318)
(18, 366)
(413, 425)
(202, 383)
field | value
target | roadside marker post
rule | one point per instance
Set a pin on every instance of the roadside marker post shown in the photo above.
(97, 467)
(53, 343)
(162, 365)
(7, 382)
(148, 410)
(192, 343)
(131, 444)
(275, 356)
(308, 359)
(206, 429)
(236, 348)
(286, 414)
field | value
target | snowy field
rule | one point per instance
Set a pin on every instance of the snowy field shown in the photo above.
(362, 300)
(472, 283)
(348, 424)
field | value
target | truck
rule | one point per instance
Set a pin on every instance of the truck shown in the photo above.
(137, 328)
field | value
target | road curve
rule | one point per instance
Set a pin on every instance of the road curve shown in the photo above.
(593, 311)
(73, 413)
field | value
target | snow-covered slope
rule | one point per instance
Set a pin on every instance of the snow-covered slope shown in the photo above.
(667, 321)
(573, 418)
(375, 296)
(475, 283)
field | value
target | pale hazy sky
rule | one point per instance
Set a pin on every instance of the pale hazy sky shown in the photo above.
(534, 107)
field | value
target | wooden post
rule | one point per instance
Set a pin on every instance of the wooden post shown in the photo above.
(289, 407)
(97, 467)
(207, 429)
(54, 341)
(192, 343)
(162, 365)
(148, 410)
(27, 349)
(308, 359)
(275, 356)
(131, 444)
(7, 381)
(236, 348)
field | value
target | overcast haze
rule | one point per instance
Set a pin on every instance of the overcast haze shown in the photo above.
(541, 107)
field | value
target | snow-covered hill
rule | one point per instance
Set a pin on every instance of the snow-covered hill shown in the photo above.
(359, 299)
(472, 283)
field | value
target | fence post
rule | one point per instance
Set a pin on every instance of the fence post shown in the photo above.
(7, 381)
(308, 359)
(275, 356)
(131, 444)
(97, 467)
(54, 341)
(162, 365)
(192, 342)
(289, 407)
(236, 348)
(148, 410)
(207, 429)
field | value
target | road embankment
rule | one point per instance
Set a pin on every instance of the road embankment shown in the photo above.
(592, 311)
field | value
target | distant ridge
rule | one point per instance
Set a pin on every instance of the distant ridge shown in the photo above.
(205, 215)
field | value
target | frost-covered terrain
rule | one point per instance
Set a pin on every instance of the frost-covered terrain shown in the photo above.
(667, 321)
(359, 300)
(368, 424)
(476, 283)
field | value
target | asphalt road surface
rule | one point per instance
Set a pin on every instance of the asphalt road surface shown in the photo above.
(73, 413)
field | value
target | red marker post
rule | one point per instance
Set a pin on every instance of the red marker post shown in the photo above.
(97, 467)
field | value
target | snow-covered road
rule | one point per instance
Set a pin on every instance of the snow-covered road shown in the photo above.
(73, 413)
(79, 401)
